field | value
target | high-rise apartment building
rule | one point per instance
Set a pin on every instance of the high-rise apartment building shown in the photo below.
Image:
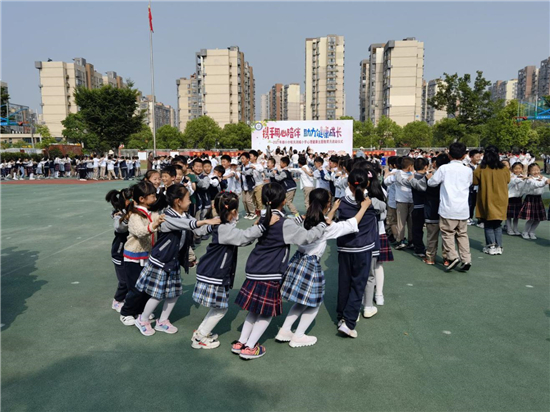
(325, 98)
(58, 82)
(430, 114)
(163, 114)
(527, 82)
(543, 87)
(291, 102)
(375, 90)
(189, 106)
(504, 90)
(225, 85)
(302, 106)
(264, 107)
(276, 102)
(363, 89)
(402, 80)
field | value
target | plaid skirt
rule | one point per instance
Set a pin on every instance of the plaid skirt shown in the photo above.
(514, 207)
(304, 281)
(159, 284)
(533, 208)
(386, 255)
(211, 296)
(261, 297)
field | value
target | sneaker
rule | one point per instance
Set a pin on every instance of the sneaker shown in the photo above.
(369, 312)
(517, 233)
(511, 233)
(525, 236)
(420, 254)
(401, 245)
(464, 267)
(117, 305)
(470, 222)
(379, 299)
(446, 263)
(236, 347)
(340, 323)
(284, 335)
(204, 342)
(252, 353)
(352, 333)
(481, 225)
(410, 246)
(452, 264)
(500, 250)
(250, 217)
(127, 320)
(532, 236)
(166, 327)
(303, 341)
(492, 250)
(145, 327)
(213, 336)
(427, 261)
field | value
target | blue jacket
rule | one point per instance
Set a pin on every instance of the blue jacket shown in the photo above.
(286, 179)
(367, 239)
(121, 235)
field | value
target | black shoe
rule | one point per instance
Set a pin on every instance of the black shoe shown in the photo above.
(452, 264)
(410, 246)
(401, 246)
(464, 267)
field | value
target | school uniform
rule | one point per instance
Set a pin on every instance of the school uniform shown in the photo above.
(247, 183)
(124, 169)
(288, 182)
(515, 197)
(418, 219)
(355, 252)
(270, 174)
(306, 184)
(322, 179)
(117, 255)
(533, 207)
(386, 254)
(216, 269)
(267, 263)
(204, 201)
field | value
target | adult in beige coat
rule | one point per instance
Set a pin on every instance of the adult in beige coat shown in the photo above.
(492, 198)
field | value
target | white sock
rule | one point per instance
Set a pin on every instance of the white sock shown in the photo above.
(295, 311)
(379, 278)
(514, 224)
(167, 308)
(534, 226)
(509, 226)
(210, 321)
(247, 326)
(258, 330)
(308, 316)
(150, 306)
(527, 227)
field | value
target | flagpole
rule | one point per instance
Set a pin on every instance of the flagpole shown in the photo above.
(153, 128)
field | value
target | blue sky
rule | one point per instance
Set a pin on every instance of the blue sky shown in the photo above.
(498, 38)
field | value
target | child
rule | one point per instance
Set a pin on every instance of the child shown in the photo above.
(355, 253)
(270, 171)
(306, 179)
(260, 294)
(285, 177)
(304, 282)
(515, 193)
(168, 176)
(119, 200)
(321, 175)
(404, 200)
(391, 219)
(216, 270)
(217, 184)
(142, 229)
(420, 167)
(455, 180)
(248, 183)
(533, 208)
(160, 278)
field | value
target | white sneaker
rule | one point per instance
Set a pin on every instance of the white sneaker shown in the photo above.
(532, 236)
(340, 322)
(471, 222)
(204, 342)
(517, 233)
(500, 250)
(127, 320)
(213, 336)
(303, 341)
(379, 300)
(481, 225)
(284, 335)
(117, 305)
(492, 250)
(369, 312)
(511, 233)
(525, 235)
(347, 331)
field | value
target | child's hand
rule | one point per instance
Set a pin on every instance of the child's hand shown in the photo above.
(410, 177)
(365, 204)
(332, 211)
(274, 219)
(214, 221)
(158, 221)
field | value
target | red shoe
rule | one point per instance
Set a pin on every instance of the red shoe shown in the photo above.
(428, 261)
(446, 263)
(237, 347)
(252, 353)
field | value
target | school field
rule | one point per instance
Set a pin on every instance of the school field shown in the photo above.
(475, 341)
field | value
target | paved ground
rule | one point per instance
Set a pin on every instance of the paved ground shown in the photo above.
(443, 341)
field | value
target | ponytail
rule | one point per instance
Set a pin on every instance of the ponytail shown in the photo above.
(224, 203)
(141, 189)
(118, 198)
(358, 181)
(318, 201)
(273, 196)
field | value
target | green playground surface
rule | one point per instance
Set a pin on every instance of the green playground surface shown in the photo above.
(475, 341)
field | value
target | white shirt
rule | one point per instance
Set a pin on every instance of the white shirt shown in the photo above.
(305, 179)
(516, 186)
(455, 180)
(535, 186)
(110, 165)
(333, 231)
(389, 182)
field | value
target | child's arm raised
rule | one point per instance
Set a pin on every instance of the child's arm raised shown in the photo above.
(297, 235)
(231, 235)
(184, 223)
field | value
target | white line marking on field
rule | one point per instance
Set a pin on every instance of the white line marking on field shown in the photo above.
(529, 286)
(447, 332)
(9, 237)
(55, 253)
(80, 237)
(2, 325)
(480, 257)
(75, 283)
(409, 284)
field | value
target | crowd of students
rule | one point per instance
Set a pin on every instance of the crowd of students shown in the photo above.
(366, 205)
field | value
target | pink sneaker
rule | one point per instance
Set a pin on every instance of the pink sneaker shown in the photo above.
(237, 347)
(252, 353)
(166, 326)
(144, 327)
(117, 305)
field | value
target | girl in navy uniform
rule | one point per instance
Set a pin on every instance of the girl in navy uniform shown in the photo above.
(119, 200)
(260, 294)
(216, 270)
(355, 253)
(304, 282)
(160, 278)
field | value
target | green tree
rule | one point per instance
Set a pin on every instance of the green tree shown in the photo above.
(236, 136)
(505, 132)
(387, 132)
(75, 131)
(4, 101)
(47, 138)
(543, 135)
(416, 134)
(168, 137)
(447, 131)
(202, 132)
(110, 113)
(140, 140)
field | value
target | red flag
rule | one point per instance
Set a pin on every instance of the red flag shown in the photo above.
(150, 19)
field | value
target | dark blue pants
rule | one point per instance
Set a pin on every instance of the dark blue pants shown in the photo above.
(417, 229)
(353, 273)
(124, 172)
(135, 300)
(122, 289)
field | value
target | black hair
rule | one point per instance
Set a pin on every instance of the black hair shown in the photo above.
(253, 153)
(226, 157)
(398, 162)
(150, 173)
(473, 152)
(170, 170)
(333, 159)
(457, 150)
(178, 167)
(220, 169)
(272, 159)
(318, 201)
(141, 189)
(359, 180)
(197, 160)
(391, 160)
(285, 160)
(420, 163)
(531, 167)
(224, 203)
(318, 159)
(118, 198)
(491, 158)
(273, 195)
(406, 161)
(174, 192)
(245, 154)
(206, 162)
(373, 183)
(442, 159)
(302, 161)
(516, 164)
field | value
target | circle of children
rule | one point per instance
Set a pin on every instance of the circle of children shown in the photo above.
(93, 167)
(158, 221)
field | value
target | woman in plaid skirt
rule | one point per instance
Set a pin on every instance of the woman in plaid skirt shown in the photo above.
(260, 294)
(216, 269)
(515, 193)
(160, 278)
(533, 208)
(304, 282)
